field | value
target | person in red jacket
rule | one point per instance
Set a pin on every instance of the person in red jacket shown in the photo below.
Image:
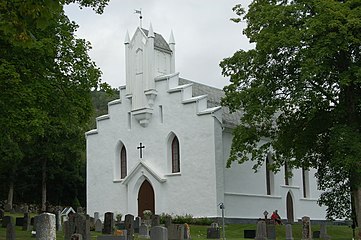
(276, 217)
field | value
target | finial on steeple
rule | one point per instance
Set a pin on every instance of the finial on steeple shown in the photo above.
(127, 39)
(171, 38)
(140, 16)
(150, 33)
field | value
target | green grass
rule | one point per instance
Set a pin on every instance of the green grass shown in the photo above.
(233, 232)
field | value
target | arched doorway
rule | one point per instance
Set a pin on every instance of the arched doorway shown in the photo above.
(289, 206)
(145, 198)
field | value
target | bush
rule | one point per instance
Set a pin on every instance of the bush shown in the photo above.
(179, 219)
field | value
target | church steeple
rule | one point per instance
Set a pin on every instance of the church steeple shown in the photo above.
(148, 56)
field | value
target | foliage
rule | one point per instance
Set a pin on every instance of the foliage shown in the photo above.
(189, 219)
(46, 80)
(300, 91)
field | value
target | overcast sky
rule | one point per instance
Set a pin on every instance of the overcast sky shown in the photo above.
(202, 29)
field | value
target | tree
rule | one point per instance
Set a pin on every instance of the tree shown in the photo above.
(46, 79)
(300, 89)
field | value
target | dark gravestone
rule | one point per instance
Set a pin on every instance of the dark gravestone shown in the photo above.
(137, 222)
(213, 233)
(249, 234)
(108, 223)
(316, 234)
(82, 226)
(67, 229)
(155, 220)
(6, 220)
(129, 226)
(10, 231)
(19, 221)
(26, 222)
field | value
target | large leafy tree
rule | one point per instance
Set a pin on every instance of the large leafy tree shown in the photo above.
(46, 79)
(300, 89)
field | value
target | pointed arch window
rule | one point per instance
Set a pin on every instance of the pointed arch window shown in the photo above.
(123, 163)
(175, 155)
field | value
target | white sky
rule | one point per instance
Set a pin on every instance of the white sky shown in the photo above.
(203, 32)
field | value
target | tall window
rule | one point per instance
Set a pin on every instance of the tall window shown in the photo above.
(175, 155)
(287, 174)
(123, 163)
(268, 176)
(305, 182)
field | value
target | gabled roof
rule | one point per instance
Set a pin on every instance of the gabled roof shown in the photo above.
(159, 41)
(214, 96)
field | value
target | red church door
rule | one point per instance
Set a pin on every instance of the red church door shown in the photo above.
(145, 198)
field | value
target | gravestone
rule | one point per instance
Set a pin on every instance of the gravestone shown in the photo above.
(261, 231)
(19, 221)
(289, 235)
(168, 221)
(58, 221)
(137, 222)
(108, 223)
(98, 225)
(68, 230)
(176, 232)
(129, 225)
(155, 220)
(76, 236)
(10, 231)
(306, 228)
(158, 233)
(323, 232)
(96, 216)
(249, 233)
(45, 227)
(6, 220)
(1, 214)
(316, 234)
(82, 226)
(26, 222)
(271, 230)
(187, 231)
(143, 231)
(213, 232)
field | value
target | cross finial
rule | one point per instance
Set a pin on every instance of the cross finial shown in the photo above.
(141, 150)
(136, 11)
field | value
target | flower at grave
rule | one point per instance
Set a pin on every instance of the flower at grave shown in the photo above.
(147, 214)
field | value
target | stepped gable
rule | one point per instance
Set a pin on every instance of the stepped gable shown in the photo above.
(214, 96)
(159, 41)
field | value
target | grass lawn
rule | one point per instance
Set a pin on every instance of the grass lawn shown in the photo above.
(233, 232)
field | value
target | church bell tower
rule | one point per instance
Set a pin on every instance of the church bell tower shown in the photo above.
(147, 56)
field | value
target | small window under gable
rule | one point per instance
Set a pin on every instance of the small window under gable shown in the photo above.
(123, 163)
(175, 155)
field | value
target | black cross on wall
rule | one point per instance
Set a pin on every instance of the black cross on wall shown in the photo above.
(141, 150)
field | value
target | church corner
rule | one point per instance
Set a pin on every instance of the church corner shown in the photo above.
(164, 144)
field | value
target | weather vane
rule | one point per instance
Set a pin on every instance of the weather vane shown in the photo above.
(136, 11)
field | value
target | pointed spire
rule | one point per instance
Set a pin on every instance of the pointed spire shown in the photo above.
(150, 33)
(127, 39)
(171, 38)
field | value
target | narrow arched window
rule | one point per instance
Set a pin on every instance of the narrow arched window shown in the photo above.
(268, 176)
(123, 163)
(175, 155)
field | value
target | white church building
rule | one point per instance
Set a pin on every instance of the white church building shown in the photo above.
(164, 144)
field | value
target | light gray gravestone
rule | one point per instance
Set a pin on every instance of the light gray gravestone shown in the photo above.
(10, 231)
(143, 231)
(306, 228)
(108, 223)
(45, 227)
(6, 220)
(96, 216)
(323, 232)
(26, 222)
(176, 232)
(289, 235)
(129, 225)
(271, 230)
(261, 231)
(98, 225)
(158, 233)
